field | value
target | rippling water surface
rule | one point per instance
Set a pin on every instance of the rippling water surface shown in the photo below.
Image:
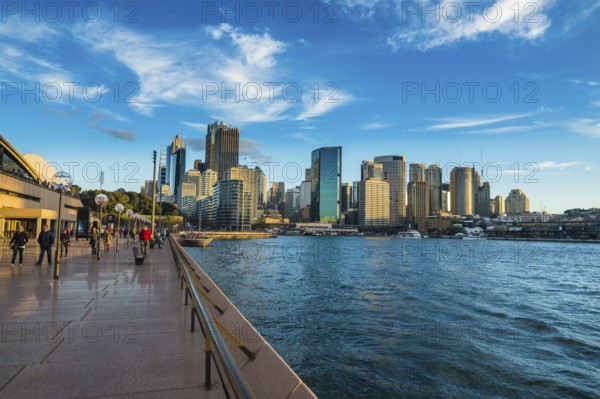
(390, 318)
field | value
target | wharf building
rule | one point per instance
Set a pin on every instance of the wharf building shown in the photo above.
(28, 198)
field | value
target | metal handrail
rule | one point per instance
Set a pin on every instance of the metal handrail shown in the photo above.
(212, 337)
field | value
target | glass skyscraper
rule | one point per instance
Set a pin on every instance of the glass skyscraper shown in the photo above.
(326, 184)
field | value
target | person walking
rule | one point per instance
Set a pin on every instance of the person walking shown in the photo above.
(17, 243)
(107, 237)
(46, 240)
(94, 240)
(65, 240)
(145, 236)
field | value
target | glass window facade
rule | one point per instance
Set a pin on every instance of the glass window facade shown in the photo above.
(326, 182)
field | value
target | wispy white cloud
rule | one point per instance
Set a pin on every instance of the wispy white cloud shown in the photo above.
(252, 149)
(375, 126)
(202, 71)
(556, 165)
(453, 23)
(461, 123)
(201, 127)
(578, 82)
(586, 126)
(304, 137)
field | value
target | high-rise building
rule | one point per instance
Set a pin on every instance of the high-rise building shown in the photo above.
(461, 189)
(209, 178)
(262, 189)
(499, 205)
(231, 205)
(276, 194)
(416, 172)
(394, 173)
(292, 202)
(326, 184)
(222, 149)
(346, 197)
(516, 202)
(194, 176)
(482, 200)
(433, 177)
(250, 179)
(374, 209)
(176, 167)
(355, 194)
(199, 165)
(446, 201)
(418, 201)
(304, 194)
(371, 170)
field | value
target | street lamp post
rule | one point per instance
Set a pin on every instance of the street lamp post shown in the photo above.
(61, 187)
(129, 212)
(119, 208)
(101, 199)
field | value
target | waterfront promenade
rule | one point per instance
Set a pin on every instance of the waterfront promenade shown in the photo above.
(105, 329)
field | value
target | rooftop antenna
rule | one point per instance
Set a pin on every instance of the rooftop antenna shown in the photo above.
(481, 152)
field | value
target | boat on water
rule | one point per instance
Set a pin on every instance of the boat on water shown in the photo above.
(410, 234)
(473, 238)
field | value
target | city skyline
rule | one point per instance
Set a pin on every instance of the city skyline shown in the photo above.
(379, 63)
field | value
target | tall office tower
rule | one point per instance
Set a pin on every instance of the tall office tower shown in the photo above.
(222, 148)
(355, 194)
(307, 174)
(176, 167)
(209, 178)
(262, 188)
(163, 175)
(371, 170)
(276, 194)
(326, 184)
(418, 201)
(516, 202)
(304, 194)
(433, 177)
(483, 200)
(461, 191)
(194, 176)
(416, 172)
(346, 197)
(446, 201)
(292, 202)
(394, 172)
(499, 205)
(374, 209)
(231, 205)
(250, 179)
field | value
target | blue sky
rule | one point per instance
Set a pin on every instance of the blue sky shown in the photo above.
(513, 83)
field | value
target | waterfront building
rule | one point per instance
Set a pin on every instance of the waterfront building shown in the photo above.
(194, 176)
(326, 175)
(292, 202)
(483, 200)
(394, 173)
(276, 194)
(499, 205)
(231, 205)
(346, 197)
(433, 177)
(516, 202)
(374, 207)
(28, 198)
(461, 189)
(418, 201)
(249, 177)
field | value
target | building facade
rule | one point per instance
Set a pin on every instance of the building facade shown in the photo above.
(326, 184)
(394, 173)
(374, 207)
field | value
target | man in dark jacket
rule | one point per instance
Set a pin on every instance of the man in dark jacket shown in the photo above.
(17, 244)
(46, 240)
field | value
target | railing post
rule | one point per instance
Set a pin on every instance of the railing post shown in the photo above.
(187, 292)
(193, 319)
(208, 353)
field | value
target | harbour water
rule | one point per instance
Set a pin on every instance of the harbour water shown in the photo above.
(389, 318)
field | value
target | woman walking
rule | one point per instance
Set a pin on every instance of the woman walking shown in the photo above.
(65, 240)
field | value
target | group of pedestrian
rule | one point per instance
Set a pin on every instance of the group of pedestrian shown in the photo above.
(46, 241)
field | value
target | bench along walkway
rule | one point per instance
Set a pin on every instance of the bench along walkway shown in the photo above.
(106, 328)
